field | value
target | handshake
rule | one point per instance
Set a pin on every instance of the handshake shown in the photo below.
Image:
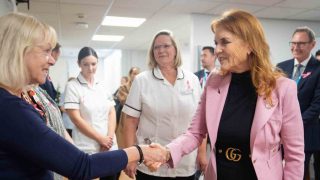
(155, 155)
(152, 156)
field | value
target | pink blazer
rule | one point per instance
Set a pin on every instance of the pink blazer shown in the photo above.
(272, 126)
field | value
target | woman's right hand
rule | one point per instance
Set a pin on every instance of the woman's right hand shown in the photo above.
(131, 170)
(154, 153)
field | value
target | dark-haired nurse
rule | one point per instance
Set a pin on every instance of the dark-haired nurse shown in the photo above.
(91, 108)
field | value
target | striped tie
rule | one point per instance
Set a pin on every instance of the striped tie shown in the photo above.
(298, 72)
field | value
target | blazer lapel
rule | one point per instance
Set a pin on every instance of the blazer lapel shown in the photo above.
(217, 91)
(262, 114)
(309, 69)
(288, 69)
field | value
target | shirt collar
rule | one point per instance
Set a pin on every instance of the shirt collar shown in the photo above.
(82, 80)
(157, 73)
(304, 62)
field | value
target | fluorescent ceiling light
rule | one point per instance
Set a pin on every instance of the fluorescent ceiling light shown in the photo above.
(107, 38)
(122, 21)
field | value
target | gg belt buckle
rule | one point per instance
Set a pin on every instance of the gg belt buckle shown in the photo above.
(233, 154)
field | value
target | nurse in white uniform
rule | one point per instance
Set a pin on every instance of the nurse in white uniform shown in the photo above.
(90, 107)
(160, 106)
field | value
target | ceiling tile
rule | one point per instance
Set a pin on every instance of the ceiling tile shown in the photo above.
(74, 9)
(252, 2)
(220, 9)
(161, 14)
(190, 6)
(142, 5)
(278, 13)
(125, 12)
(299, 3)
(308, 15)
(44, 7)
(104, 30)
(86, 2)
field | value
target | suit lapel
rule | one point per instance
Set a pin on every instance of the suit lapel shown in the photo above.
(309, 69)
(288, 69)
(262, 114)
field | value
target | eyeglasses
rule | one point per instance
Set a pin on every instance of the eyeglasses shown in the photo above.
(158, 47)
(298, 44)
(44, 52)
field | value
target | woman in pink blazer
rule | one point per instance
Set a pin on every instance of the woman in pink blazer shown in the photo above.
(247, 108)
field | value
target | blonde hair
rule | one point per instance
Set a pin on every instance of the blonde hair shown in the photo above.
(248, 28)
(151, 61)
(18, 34)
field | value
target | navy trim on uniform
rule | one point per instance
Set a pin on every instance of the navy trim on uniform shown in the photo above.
(182, 75)
(163, 79)
(155, 75)
(132, 107)
(97, 82)
(80, 81)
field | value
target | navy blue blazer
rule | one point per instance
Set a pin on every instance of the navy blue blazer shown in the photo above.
(309, 100)
(30, 150)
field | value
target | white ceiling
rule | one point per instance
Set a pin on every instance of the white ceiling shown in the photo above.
(160, 14)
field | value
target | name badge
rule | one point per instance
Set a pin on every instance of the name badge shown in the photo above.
(188, 89)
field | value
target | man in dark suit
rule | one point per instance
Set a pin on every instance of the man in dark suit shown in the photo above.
(208, 59)
(48, 85)
(305, 70)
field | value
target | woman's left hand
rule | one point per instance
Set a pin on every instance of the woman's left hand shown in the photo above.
(109, 143)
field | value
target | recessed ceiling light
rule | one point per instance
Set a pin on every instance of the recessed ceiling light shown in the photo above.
(82, 25)
(122, 21)
(107, 38)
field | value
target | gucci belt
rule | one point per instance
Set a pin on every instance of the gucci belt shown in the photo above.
(232, 154)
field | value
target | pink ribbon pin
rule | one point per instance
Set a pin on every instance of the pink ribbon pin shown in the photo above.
(304, 75)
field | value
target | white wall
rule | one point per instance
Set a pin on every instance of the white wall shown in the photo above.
(117, 63)
(187, 60)
(112, 70)
(67, 67)
(131, 58)
(201, 35)
(7, 6)
(278, 34)
(59, 73)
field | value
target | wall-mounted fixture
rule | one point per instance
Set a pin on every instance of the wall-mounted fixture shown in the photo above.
(23, 1)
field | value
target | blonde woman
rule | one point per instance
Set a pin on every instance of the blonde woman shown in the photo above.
(160, 106)
(29, 148)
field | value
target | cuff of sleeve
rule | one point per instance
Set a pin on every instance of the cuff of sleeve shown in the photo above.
(71, 106)
(131, 111)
